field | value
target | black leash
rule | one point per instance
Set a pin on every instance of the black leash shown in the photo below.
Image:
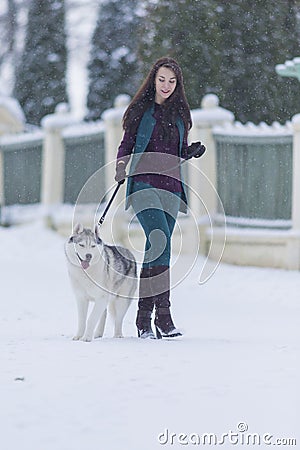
(101, 220)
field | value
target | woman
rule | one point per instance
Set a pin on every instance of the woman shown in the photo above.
(156, 125)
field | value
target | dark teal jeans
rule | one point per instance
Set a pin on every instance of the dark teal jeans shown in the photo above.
(156, 210)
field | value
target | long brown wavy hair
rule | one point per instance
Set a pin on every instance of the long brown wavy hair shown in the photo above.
(174, 106)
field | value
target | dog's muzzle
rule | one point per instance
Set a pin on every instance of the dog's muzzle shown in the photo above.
(85, 263)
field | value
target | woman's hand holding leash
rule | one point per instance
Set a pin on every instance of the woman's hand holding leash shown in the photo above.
(120, 178)
(121, 169)
(120, 172)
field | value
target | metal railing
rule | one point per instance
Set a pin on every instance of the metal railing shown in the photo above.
(22, 165)
(84, 154)
(254, 174)
(21, 168)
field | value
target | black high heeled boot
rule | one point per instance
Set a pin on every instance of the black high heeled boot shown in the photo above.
(145, 306)
(143, 324)
(163, 320)
(164, 324)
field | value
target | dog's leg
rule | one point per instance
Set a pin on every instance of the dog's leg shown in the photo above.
(101, 325)
(82, 309)
(120, 306)
(97, 312)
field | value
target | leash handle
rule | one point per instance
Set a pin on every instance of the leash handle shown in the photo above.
(101, 220)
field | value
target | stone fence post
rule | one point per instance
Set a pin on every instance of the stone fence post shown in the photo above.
(12, 120)
(294, 244)
(53, 159)
(113, 135)
(296, 174)
(204, 119)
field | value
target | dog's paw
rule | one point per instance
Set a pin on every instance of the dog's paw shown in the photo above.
(98, 336)
(118, 336)
(86, 338)
(76, 338)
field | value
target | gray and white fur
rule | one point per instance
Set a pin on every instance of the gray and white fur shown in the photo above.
(105, 275)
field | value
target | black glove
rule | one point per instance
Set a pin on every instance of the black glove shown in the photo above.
(196, 149)
(120, 172)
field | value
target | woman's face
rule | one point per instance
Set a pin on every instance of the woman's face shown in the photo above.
(165, 84)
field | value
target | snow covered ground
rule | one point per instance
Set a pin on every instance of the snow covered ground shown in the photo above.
(236, 368)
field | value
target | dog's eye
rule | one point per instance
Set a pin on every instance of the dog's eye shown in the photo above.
(81, 245)
(93, 245)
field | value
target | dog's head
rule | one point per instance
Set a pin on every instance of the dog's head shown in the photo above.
(84, 246)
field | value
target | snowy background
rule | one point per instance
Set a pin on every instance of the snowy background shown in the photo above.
(238, 360)
(80, 23)
(227, 48)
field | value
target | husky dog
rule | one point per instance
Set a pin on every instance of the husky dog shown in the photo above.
(103, 274)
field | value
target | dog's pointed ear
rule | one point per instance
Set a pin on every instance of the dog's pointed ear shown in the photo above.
(78, 228)
(97, 234)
